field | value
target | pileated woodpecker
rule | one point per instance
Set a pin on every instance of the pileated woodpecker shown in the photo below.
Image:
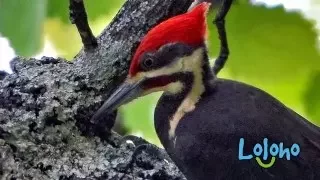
(214, 128)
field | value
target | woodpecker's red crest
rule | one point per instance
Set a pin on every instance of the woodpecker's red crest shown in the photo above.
(188, 28)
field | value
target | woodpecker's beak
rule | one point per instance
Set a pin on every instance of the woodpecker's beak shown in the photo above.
(127, 92)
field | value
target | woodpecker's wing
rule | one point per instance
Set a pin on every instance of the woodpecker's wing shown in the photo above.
(208, 138)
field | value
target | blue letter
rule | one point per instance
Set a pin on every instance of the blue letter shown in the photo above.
(274, 150)
(265, 149)
(241, 156)
(295, 149)
(257, 150)
(284, 151)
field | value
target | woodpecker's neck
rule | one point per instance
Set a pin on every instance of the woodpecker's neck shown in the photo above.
(171, 108)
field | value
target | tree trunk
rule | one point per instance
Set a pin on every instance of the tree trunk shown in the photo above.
(46, 105)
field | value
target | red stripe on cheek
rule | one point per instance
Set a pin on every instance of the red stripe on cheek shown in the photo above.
(157, 82)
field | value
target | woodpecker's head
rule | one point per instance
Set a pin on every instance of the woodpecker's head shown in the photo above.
(173, 47)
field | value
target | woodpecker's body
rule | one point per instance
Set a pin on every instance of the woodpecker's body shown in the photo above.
(200, 119)
(206, 143)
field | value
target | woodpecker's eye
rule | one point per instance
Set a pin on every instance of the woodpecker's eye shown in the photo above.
(147, 62)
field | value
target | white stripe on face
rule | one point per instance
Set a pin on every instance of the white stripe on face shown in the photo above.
(188, 104)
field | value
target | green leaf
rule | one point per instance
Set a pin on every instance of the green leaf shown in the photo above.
(21, 21)
(95, 8)
(271, 49)
(312, 98)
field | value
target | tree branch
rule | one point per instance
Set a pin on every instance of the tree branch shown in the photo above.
(78, 16)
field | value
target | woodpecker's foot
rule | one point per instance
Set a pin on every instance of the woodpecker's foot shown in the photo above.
(219, 21)
(150, 149)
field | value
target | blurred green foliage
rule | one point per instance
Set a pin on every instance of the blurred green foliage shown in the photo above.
(312, 97)
(22, 23)
(138, 116)
(58, 27)
(95, 9)
(26, 22)
(270, 48)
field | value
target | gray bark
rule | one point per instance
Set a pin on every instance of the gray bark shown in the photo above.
(46, 104)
